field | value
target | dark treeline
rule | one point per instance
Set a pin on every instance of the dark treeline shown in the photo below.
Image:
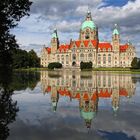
(135, 63)
(24, 59)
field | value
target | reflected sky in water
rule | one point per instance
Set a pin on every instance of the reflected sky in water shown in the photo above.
(78, 105)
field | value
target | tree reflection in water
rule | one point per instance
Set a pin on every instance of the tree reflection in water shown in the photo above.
(8, 107)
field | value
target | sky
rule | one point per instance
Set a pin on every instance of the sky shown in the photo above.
(35, 31)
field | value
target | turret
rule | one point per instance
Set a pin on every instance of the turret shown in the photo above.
(116, 38)
(88, 30)
(54, 42)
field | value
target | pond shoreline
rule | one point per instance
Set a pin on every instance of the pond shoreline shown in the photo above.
(114, 70)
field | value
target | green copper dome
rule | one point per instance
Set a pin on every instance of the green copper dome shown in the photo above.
(54, 35)
(88, 115)
(115, 32)
(89, 24)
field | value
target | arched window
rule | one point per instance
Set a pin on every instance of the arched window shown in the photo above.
(58, 57)
(67, 57)
(109, 58)
(82, 55)
(62, 57)
(104, 59)
(99, 59)
(89, 55)
(74, 56)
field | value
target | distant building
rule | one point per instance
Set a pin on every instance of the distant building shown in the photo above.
(89, 48)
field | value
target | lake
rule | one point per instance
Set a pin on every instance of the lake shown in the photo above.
(70, 105)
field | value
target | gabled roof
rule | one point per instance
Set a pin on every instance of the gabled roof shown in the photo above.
(123, 48)
(64, 47)
(104, 45)
(48, 50)
(85, 42)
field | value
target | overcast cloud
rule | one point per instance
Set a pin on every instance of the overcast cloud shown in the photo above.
(67, 16)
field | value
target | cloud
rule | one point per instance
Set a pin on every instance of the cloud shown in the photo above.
(67, 16)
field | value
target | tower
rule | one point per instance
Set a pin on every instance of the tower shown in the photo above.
(116, 39)
(88, 30)
(116, 46)
(54, 42)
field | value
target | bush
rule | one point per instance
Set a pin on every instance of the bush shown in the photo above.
(85, 65)
(134, 63)
(54, 65)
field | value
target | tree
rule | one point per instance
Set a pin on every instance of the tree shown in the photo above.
(34, 60)
(11, 12)
(134, 62)
(138, 64)
(24, 59)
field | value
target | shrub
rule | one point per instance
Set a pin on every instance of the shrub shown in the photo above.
(54, 65)
(85, 65)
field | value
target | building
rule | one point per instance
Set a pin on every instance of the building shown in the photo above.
(89, 48)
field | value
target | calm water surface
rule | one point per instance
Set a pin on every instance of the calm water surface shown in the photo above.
(70, 105)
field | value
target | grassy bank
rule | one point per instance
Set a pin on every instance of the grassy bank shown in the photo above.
(114, 70)
(31, 69)
(111, 69)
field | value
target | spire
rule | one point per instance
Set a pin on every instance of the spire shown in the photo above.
(115, 31)
(88, 16)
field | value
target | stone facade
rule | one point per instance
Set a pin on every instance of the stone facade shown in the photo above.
(89, 48)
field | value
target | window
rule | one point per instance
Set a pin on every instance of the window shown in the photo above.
(90, 55)
(74, 56)
(67, 57)
(109, 58)
(82, 55)
(104, 59)
(99, 58)
(62, 57)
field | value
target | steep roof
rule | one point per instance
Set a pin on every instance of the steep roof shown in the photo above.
(115, 32)
(64, 47)
(48, 50)
(105, 45)
(123, 48)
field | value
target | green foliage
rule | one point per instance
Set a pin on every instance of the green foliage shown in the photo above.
(11, 12)
(134, 62)
(85, 65)
(8, 107)
(34, 60)
(24, 59)
(54, 65)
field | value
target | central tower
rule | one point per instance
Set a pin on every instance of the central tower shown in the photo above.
(89, 30)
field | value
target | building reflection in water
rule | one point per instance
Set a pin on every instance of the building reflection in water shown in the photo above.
(88, 88)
